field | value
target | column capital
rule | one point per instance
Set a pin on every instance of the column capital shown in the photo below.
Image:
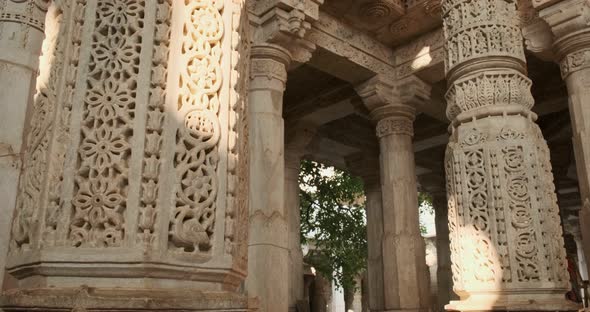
(286, 23)
(297, 138)
(570, 23)
(377, 92)
(270, 61)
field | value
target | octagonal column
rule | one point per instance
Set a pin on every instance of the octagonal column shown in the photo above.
(568, 20)
(366, 166)
(133, 194)
(296, 140)
(506, 239)
(22, 25)
(405, 275)
(268, 265)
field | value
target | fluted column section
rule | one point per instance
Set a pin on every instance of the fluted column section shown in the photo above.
(404, 268)
(268, 265)
(568, 20)
(22, 25)
(444, 275)
(506, 239)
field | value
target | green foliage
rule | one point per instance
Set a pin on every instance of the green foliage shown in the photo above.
(333, 218)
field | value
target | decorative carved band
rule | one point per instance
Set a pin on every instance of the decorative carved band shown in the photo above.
(269, 61)
(28, 12)
(395, 125)
(574, 62)
(498, 88)
(481, 28)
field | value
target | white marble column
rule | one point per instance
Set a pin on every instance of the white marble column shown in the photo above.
(366, 166)
(506, 238)
(22, 25)
(444, 276)
(133, 194)
(297, 137)
(568, 20)
(405, 275)
(268, 255)
(374, 207)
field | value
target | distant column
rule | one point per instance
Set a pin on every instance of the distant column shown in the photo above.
(405, 274)
(568, 20)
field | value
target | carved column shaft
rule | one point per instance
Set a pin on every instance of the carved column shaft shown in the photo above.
(443, 251)
(405, 274)
(268, 266)
(569, 22)
(22, 25)
(404, 267)
(505, 231)
(135, 174)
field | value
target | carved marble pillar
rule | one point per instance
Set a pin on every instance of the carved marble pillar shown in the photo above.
(444, 276)
(506, 240)
(22, 26)
(296, 140)
(405, 275)
(569, 21)
(367, 167)
(135, 176)
(268, 251)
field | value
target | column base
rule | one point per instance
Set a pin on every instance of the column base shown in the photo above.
(118, 300)
(514, 302)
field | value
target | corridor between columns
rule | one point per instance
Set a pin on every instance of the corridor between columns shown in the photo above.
(152, 154)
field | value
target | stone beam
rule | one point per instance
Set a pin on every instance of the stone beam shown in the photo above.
(285, 23)
(332, 104)
(423, 54)
(346, 52)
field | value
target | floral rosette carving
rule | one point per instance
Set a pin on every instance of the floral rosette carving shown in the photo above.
(196, 156)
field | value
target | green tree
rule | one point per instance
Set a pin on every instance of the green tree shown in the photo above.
(333, 218)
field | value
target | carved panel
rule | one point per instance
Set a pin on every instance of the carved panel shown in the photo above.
(491, 88)
(481, 28)
(138, 143)
(501, 208)
(108, 114)
(41, 180)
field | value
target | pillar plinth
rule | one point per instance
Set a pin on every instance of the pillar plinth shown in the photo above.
(135, 171)
(506, 239)
(268, 266)
(568, 22)
(405, 274)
